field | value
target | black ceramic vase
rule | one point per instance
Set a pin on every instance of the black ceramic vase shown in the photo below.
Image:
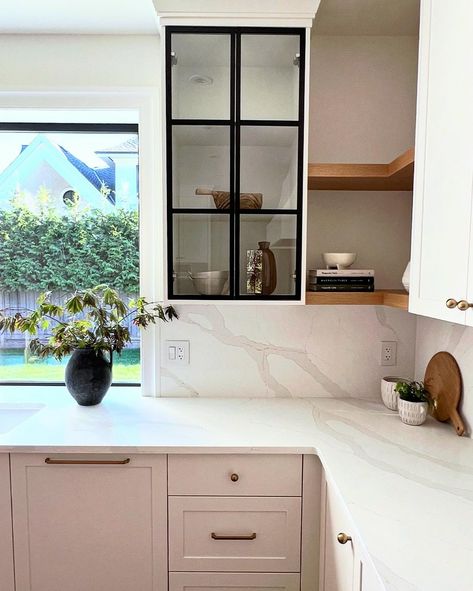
(88, 376)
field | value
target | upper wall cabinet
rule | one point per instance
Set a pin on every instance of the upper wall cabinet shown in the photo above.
(235, 162)
(442, 240)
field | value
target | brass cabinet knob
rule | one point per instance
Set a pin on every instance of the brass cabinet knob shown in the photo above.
(463, 305)
(451, 303)
(343, 538)
(234, 477)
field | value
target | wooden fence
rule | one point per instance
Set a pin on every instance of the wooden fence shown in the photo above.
(23, 300)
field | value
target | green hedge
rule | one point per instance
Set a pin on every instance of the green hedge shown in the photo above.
(47, 251)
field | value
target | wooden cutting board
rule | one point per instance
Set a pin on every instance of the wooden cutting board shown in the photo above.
(444, 383)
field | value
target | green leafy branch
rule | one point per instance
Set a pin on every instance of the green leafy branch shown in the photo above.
(89, 318)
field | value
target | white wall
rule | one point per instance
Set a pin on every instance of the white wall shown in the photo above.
(362, 109)
(44, 62)
(273, 350)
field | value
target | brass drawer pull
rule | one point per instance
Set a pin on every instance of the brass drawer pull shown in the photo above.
(218, 537)
(343, 538)
(96, 462)
(451, 303)
(234, 477)
(463, 305)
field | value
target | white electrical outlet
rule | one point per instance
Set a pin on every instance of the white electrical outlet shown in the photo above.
(388, 352)
(177, 352)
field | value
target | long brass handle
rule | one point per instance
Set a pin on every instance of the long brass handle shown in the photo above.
(451, 303)
(343, 538)
(97, 462)
(218, 537)
(463, 305)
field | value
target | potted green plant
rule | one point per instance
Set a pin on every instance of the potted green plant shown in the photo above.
(414, 402)
(91, 326)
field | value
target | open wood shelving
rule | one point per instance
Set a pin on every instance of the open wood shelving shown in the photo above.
(393, 298)
(396, 176)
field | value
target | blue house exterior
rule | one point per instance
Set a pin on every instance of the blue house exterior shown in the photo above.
(45, 165)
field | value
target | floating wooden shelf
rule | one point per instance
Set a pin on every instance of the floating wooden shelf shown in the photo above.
(395, 176)
(381, 297)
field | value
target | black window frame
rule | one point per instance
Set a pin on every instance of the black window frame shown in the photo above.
(49, 127)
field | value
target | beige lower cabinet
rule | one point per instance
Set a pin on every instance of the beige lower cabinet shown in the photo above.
(344, 565)
(6, 536)
(89, 523)
(234, 582)
(241, 522)
(108, 523)
(234, 534)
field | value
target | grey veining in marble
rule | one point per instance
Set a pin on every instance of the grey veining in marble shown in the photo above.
(286, 351)
(409, 490)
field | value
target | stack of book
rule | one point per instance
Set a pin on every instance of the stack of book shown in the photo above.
(341, 280)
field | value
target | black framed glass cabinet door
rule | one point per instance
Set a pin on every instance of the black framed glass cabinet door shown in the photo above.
(234, 149)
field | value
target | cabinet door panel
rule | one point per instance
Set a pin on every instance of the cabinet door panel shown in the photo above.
(93, 527)
(233, 582)
(444, 160)
(6, 540)
(369, 580)
(339, 558)
(235, 475)
(234, 534)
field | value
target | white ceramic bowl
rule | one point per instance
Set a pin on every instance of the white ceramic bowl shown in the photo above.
(389, 396)
(413, 413)
(210, 282)
(339, 260)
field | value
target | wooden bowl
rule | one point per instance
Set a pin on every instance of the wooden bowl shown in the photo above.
(247, 200)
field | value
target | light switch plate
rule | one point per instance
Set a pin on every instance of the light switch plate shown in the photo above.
(177, 352)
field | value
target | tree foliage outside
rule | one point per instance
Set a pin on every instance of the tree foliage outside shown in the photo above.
(42, 249)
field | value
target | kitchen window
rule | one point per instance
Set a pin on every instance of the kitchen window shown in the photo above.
(69, 219)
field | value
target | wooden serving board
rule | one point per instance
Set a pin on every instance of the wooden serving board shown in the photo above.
(444, 383)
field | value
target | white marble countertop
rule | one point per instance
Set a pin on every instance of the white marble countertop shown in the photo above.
(408, 489)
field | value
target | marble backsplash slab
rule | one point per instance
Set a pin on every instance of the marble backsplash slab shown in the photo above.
(437, 335)
(286, 351)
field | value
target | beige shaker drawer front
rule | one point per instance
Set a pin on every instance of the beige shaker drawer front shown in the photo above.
(234, 582)
(235, 475)
(234, 534)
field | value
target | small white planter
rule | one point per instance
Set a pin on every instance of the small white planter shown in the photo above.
(388, 394)
(412, 413)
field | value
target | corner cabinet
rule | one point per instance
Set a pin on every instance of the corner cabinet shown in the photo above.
(235, 162)
(344, 563)
(442, 239)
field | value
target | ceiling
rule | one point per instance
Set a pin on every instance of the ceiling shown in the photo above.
(335, 17)
(367, 17)
(82, 17)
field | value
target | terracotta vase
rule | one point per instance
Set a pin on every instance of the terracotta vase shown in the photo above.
(270, 276)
